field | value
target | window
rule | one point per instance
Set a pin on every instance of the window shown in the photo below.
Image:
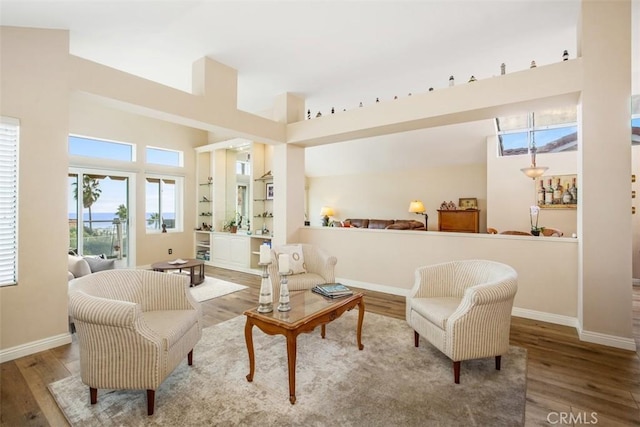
(553, 131)
(9, 137)
(163, 203)
(101, 149)
(165, 157)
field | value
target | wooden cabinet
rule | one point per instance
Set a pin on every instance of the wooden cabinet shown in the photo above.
(460, 221)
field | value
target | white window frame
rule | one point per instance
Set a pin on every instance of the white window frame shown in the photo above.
(530, 130)
(179, 152)
(108, 141)
(10, 161)
(179, 196)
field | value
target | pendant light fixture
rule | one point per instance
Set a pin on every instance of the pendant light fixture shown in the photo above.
(533, 171)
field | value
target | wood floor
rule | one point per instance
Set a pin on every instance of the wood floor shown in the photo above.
(568, 382)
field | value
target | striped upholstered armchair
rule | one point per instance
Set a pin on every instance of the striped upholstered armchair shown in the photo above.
(134, 327)
(464, 309)
(317, 264)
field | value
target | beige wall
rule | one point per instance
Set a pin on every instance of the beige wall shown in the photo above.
(33, 83)
(387, 259)
(387, 195)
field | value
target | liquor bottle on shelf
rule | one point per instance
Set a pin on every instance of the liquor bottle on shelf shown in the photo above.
(574, 191)
(548, 195)
(541, 193)
(557, 193)
(567, 198)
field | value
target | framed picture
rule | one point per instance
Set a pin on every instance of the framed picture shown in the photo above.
(557, 191)
(269, 191)
(465, 203)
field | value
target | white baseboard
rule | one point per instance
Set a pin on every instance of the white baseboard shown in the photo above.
(557, 319)
(608, 340)
(542, 316)
(34, 347)
(374, 287)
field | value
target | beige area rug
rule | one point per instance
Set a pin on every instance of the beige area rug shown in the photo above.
(213, 288)
(389, 383)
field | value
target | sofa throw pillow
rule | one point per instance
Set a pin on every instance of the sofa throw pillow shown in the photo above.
(99, 264)
(78, 266)
(296, 258)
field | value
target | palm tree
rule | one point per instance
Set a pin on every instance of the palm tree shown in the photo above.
(122, 212)
(90, 194)
(154, 218)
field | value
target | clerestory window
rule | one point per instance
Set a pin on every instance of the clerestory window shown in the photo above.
(553, 130)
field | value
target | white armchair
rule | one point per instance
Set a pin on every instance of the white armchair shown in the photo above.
(463, 308)
(319, 266)
(134, 327)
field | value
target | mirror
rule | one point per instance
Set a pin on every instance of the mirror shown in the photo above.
(242, 187)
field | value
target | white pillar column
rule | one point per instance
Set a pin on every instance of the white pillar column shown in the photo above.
(288, 175)
(604, 167)
(288, 180)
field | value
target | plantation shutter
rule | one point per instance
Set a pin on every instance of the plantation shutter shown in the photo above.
(8, 201)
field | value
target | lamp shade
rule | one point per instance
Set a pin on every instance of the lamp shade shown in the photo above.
(326, 211)
(416, 206)
(534, 171)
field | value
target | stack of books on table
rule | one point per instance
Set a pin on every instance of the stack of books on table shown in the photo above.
(332, 290)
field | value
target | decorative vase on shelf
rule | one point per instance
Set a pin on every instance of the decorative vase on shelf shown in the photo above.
(535, 232)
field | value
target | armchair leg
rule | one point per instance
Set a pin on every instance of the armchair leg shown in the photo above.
(416, 338)
(498, 359)
(456, 372)
(93, 393)
(190, 357)
(151, 398)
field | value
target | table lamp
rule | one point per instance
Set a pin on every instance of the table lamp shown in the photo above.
(326, 212)
(417, 207)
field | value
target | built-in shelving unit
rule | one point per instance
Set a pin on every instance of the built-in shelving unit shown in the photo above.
(217, 194)
(263, 205)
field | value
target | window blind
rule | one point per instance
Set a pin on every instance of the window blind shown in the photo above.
(9, 134)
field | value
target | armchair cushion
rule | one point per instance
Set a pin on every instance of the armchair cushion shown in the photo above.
(78, 266)
(99, 264)
(319, 265)
(296, 258)
(436, 310)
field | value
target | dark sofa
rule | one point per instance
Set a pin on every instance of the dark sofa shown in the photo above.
(384, 224)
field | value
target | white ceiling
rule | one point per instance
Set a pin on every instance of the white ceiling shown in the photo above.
(332, 53)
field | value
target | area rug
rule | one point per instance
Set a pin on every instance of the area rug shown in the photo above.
(389, 383)
(213, 288)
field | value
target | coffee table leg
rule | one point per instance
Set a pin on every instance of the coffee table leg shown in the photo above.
(360, 318)
(248, 336)
(291, 357)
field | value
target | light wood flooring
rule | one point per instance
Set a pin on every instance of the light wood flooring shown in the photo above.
(599, 385)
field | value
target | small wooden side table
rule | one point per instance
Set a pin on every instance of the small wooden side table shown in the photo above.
(195, 277)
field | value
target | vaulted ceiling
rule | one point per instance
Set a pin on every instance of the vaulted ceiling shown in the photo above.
(335, 54)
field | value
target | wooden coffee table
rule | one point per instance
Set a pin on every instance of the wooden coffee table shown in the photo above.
(195, 277)
(308, 310)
